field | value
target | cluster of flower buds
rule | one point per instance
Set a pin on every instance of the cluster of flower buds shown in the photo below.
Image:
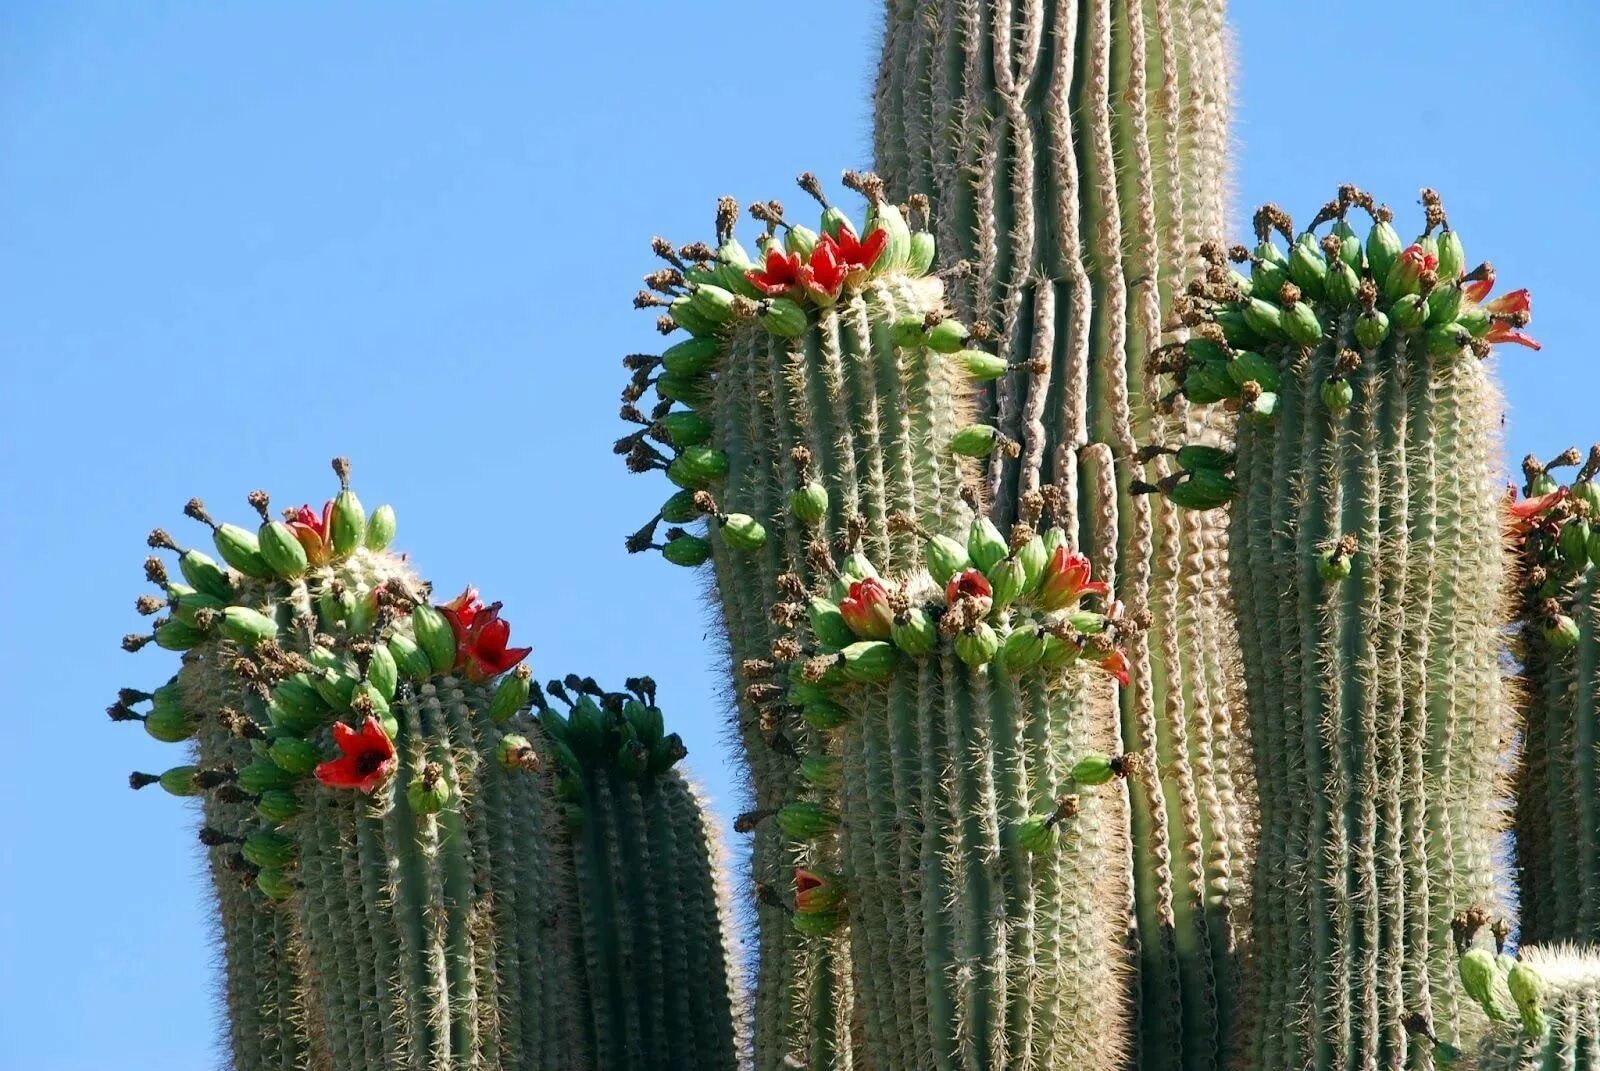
(1337, 289)
(1203, 476)
(1038, 833)
(1554, 531)
(321, 628)
(617, 731)
(711, 293)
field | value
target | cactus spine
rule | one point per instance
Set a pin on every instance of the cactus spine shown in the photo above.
(1557, 824)
(1367, 571)
(656, 965)
(1545, 1007)
(1075, 155)
(911, 737)
(394, 880)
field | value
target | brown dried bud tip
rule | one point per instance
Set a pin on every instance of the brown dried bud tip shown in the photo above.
(786, 649)
(1270, 217)
(918, 205)
(1031, 507)
(1211, 252)
(698, 251)
(1331, 245)
(1288, 294)
(707, 505)
(213, 838)
(259, 502)
(791, 585)
(1433, 208)
(644, 299)
(1346, 363)
(133, 641)
(361, 704)
(1054, 501)
(341, 469)
(1418, 1025)
(1531, 467)
(969, 495)
(1239, 254)
(160, 540)
(865, 183)
(786, 614)
(1501, 930)
(666, 325)
(1381, 214)
(155, 571)
(666, 280)
(196, 510)
(1021, 534)
(209, 779)
(1481, 348)
(808, 182)
(764, 212)
(1250, 392)
(137, 780)
(817, 668)
(761, 694)
(727, 217)
(1346, 547)
(1066, 808)
(120, 712)
(1569, 456)
(149, 604)
(747, 822)
(756, 668)
(1330, 210)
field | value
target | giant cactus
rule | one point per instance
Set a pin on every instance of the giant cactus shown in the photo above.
(394, 881)
(1557, 811)
(912, 738)
(1367, 568)
(1075, 155)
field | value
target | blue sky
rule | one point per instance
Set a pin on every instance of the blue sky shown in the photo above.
(241, 238)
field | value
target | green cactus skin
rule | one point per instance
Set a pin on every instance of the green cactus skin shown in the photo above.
(383, 933)
(957, 948)
(1086, 145)
(1557, 847)
(1569, 1007)
(1366, 561)
(660, 981)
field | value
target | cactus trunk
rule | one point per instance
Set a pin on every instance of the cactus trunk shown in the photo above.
(1075, 154)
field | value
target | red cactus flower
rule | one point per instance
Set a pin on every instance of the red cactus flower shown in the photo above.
(1066, 581)
(824, 275)
(1418, 260)
(866, 609)
(1523, 516)
(368, 757)
(859, 256)
(481, 637)
(780, 276)
(968, 584)
(312, 532)
(1112, 661)
(1475, 290)
(814, 893)
(1516, 303)
(1511, 311)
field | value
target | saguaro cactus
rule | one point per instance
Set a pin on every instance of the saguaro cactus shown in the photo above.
(405, 878)
(657, 967)
(1367, 567)
(1544, 1005)
(1557, 814)
(912, 739)
(1075, 155)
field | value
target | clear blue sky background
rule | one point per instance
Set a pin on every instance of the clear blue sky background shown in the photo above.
(240, 238)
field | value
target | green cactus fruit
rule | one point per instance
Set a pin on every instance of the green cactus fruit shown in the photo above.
(974, 440)
(981, 366)
(381, 527)
(690, 357)
(272, 850)
(945, 557)
(698, 467)
(920, 257)
(977, 645)
(821, 714)
(782, 317)
(278, 805)
(428, 792)
(434, 636)
(274, 884)
(686, 428)
(1482, 981)
(180, 781)
(205, 575)
(170, 725)
(1093, 769)
(743, 532)
(809, 504)
(828, 624)
(868, 661)
(914, 632)
(807, 821)
(1021, 650)
(241, 550)
(175, 635)
(294, 755)
(246, 626)
(1371, 329)
(282, 552)
(946, 336)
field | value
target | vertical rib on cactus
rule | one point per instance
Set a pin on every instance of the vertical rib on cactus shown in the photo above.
(658, 970)
(1074, 153)
(952, 881)
(1367, 573)
(354, 748)
(1545, 1009)
(1557, 824)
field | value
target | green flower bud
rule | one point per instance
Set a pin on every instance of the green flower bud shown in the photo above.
(1573, 542)
(823, 714)
(869, 661)
(981, 366)
(1266, 279)
(1301, 324)
(1446, 340)
(1264, 318)
(1201, 456)
(186, 603)
(1349, 244)
(1333, 566)
(429, 792)
(885, 216)
(241, 550)
(1093, 769)
(1033, 557)
(820, 770)
(1308, 267)
(680, 508)
(274, 884)
(698, 467)
(977, 646)
(689, 317)
(1009, 578)
(296, 706)
(974, 440)
(347, 529)
(782, 317)
(809, 504)
(732, 263)
(1267, 253)
(294, 755)
(1248, 366)
(906, 331)
(169, 724)
(743, 532)
(1054, 536)
(1561, 632)
(946, 336)
(694, 391)
(807, 821)
(1264, 406)
(828, 624)
(1481, 980)
(510, 695)
(278, 805)
(920, 259)
(383, 671)
(1408, 313)
(269, 850)
(1204, 488)
(1586, 493)
(174, 635)
(1452, 256)
(1337, 394)
(515, 752)
(409, 657)
(1476, 319)
(800, 239)
(435, 636)
(945, 558)
(205, 575)
(282, 552)
(1383, 249)
(1527, 991)
(685, 428)
(1445, 303)
(1372, 328)
(246, 626)
(1059, 653)
(834, 221)
(690, 357)
(1236, 328)
(1344, 285)
(1022, 649)
(914, 632)
(1204, 385)
(179, 781)
(985, 545)
(381, 528)
(1036, 835)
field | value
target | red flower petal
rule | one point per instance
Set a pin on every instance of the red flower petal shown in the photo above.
(873, 248)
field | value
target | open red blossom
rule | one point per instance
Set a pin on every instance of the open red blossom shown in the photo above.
(1510, 311)
(866, 609)
(1114, 662)
(1514, 303)
(824, 274)
(780, 276)
(1522, 516)
(1066, 580)
(368, 757)
(312, 532)
(481, 637)
(859, 256)
(1475, 290)
(968, 584)
(813, 892)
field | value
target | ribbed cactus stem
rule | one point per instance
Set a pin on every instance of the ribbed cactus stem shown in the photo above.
(1554, 1015)
(1075, 155)
(955, 897)
(1366, 561)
